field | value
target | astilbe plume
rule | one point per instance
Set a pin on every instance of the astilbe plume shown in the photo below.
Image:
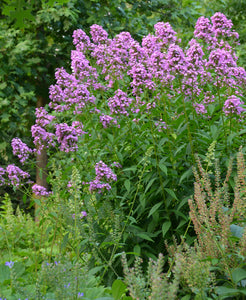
(211, 215)
(155, 285)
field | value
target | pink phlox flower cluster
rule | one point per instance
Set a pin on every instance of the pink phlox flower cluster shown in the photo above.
(63, 78)
(158, 66)
(150, 44)
(200, 108)
(103, 173)
(21, 150)
(82, 69)
(116, 55)
(67, 136)
(42, 117)
(39, 190)
(176, 60)
(108, 121)
(194, 54)
(210, 33)
(81, 40)
(160, 125)
(15, 175)
(2, 179)
(165, 34)
(98, 34)
(41, 138)
(81, 215)
(221, 60)
(233, 105)
(116, 164)
(119, 103)
(221, 25)
(208, 97)
(142, 78)
(76, 95)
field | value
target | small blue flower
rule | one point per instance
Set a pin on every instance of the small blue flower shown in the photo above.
(67, 286)
(56, 263)
(80, 295)
(9, 264)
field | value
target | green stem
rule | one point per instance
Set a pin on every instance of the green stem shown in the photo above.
(223, 121)
(188, 125)
(131, 209)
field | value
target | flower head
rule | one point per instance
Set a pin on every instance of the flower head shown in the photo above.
(9, 264)
(233, 106)
(20, 149)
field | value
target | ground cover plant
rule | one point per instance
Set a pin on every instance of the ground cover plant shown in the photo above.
(122, 132)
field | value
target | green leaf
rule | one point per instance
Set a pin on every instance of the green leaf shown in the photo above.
(154, 208)
(144, 236)
(150, 183)
(163, 167)
(236, 230)
(225, 291)
(53, 214)
(185, 175)
(37, 201)
(238, 275)
(118, 289)
(127, 184)
(137, 249)
(4, 273)
(171, 193)
(165, 228)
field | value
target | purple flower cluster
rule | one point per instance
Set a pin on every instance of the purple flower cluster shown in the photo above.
(39, 190)
(42, 138)
(98, 34)
(42, 117)
(15, 175)
(211, 32)
(119, 103)
(103, 173)
(9, 264)
(81, 40)
(160, 125)
(67, 136)
(107, 121)
(233, 105)
(81, 215)
(200, 108)
(20, 149)
(71, 92)
(165, 34)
